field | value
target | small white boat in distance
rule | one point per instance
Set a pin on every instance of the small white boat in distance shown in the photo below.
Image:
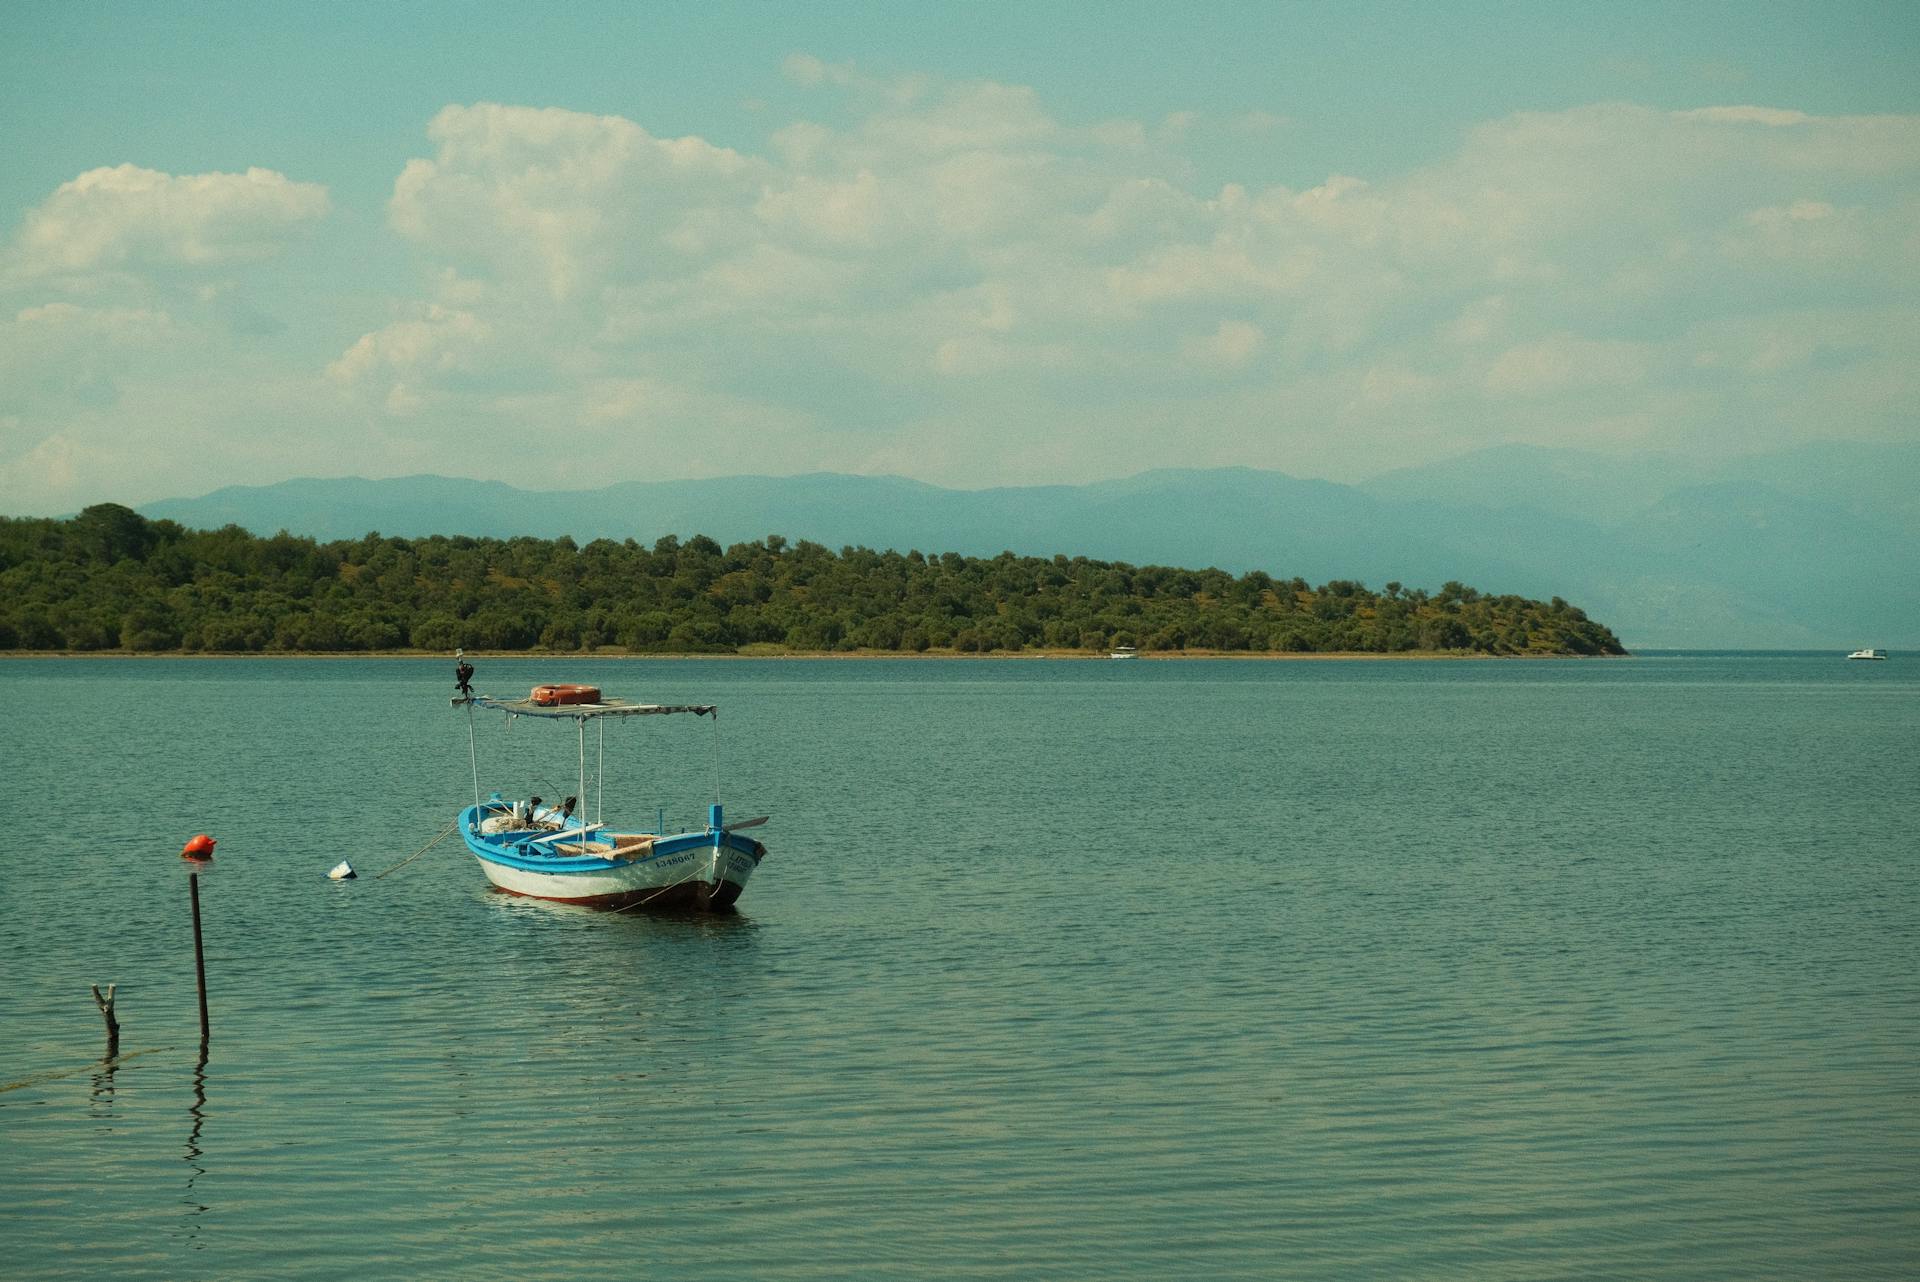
(1868, 654)
(1123, 652)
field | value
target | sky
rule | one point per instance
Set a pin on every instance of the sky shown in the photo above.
(974, 244)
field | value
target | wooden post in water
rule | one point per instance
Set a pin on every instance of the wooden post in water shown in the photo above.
(199, 954)
(198, 851)
(106, 1012)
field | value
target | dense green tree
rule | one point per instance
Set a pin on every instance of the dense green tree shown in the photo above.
(110, 579)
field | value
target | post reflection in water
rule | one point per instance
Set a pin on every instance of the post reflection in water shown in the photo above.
(100, 1099)
(198, 1112)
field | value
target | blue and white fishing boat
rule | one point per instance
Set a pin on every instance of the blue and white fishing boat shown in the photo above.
(546, 851)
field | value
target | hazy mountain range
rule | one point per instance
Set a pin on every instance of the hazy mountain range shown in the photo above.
(1812, 547)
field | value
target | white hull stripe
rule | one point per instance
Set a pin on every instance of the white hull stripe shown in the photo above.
(695, 865)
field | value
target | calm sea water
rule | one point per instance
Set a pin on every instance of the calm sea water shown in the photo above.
(1056, 969)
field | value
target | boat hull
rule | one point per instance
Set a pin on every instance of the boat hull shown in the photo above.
(701, 871)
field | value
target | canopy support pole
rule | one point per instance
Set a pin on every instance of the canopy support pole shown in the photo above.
(473, 757)
(582, 723)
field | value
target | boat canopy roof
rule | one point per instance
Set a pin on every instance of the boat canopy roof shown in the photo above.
(582, 711)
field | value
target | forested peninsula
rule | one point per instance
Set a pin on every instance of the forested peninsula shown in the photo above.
(110, 580)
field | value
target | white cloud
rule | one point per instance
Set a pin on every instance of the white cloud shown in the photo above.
(1232, 345)
(1479, 320)
(804, 69)
(114, 324)
(946, 277)
(980, 117)
(1791, 343)
(59, 358)
(811, 72)
(568, 200)
(129, 216)
(1260, 122)
(1771, 116)
(1386, 386)
(959, 231)
(1566, 363)
(440, 340)
(133, 351)
(1819, 245)
(982, 355)
(56, 464)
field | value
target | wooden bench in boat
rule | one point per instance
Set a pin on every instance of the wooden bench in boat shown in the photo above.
(617, 846)
(555, 836)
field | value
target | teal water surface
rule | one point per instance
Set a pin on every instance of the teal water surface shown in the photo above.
(1537, 969)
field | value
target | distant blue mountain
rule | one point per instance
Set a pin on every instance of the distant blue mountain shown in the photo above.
(1808, 548)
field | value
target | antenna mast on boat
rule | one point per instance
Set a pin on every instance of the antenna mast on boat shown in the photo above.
(473, 756)
(463, 682)
(581, 721)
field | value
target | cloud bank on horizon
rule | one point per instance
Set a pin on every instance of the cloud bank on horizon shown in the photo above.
(945, 279)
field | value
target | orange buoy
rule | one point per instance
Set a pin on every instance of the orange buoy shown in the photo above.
(199, 846)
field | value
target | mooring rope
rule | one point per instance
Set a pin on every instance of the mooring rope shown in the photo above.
(445, 833)
(656, 894)
(108, 1064)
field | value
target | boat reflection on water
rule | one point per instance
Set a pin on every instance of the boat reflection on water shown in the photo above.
(703, 920)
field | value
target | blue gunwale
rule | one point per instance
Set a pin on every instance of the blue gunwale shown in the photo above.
(534, 853)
